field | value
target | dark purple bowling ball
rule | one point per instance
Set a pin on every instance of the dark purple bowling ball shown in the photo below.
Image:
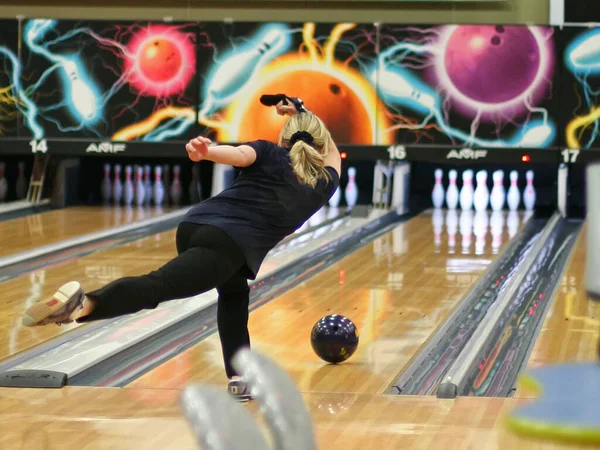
(334, 338)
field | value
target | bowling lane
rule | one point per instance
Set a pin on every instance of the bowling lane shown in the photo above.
(93, 271)
(36, 230)
(397, 289)
(123, 419)
(571, 329)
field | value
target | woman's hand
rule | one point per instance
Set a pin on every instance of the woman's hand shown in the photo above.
(286, 110)
(197, 148)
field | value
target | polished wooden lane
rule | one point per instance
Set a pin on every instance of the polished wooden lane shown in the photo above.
(571, 328)
(115, 419)
(93, 271)
(36, 230)
(397, 290)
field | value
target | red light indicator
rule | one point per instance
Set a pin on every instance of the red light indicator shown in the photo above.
(525, 158)
(343, 155)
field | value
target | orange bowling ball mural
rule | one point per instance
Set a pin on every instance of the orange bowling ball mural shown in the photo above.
(321, 64)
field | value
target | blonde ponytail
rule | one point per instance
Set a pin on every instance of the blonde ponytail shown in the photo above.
(308, 138)
(307, 163)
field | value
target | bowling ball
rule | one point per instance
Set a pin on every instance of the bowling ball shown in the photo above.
(334, 338)
(160, 59)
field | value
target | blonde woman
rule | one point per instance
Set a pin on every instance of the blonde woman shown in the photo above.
(223, 240)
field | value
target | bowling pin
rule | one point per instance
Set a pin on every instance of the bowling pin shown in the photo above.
(481, 196)
(394, 85)
(140, 189)
(480, 226)
(498, 195)
(466, 230)
(451, 227)
(452, 191)
(514, 195)
(496, 228)
(334, 201)
(529, 193)
(437, 195)
(3, 183)
(166, 182)
(117, 191)
(351, 191)
(106, 186)
(128, 188)
(437, 220)
(21, 182)
(147, 184)
(176, 186)
(159, 190)
(466, 192)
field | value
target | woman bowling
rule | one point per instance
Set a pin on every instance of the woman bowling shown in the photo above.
(222, 241)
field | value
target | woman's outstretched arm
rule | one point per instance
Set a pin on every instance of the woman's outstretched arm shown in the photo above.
(238, 156)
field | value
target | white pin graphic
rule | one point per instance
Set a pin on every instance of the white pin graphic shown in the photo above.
(482, 194)
(437, 194)
(529, 194)
(466, 191)
(498, 194)
(514, 195)
(452, 191)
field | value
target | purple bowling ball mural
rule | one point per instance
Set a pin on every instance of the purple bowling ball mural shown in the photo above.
(480, 86)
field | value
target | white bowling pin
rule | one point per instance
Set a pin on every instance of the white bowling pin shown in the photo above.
(466, 192)
(334, 201)
(158, 189)
(452, 191)
(451, 227)
(437, 220)
(481, 196)
(529, 193)
(437, 194)
(117, 191)
(176, 186)
(351, 191)
(514, 195)
(140, 190)
(106, 186)
(496, 228)
(166, 182)
(128, 188)
(3, 183)
(498, 195)
(147, 184)
(466, 229)
(393, 84)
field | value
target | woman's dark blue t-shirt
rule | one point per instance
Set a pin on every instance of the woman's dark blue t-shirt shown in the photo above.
(265, 203)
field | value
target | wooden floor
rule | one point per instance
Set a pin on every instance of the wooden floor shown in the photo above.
(125, 419)
(33, 231)
(571, 329)
(397, 290)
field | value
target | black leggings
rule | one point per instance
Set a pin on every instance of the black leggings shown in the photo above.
(207, 258)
